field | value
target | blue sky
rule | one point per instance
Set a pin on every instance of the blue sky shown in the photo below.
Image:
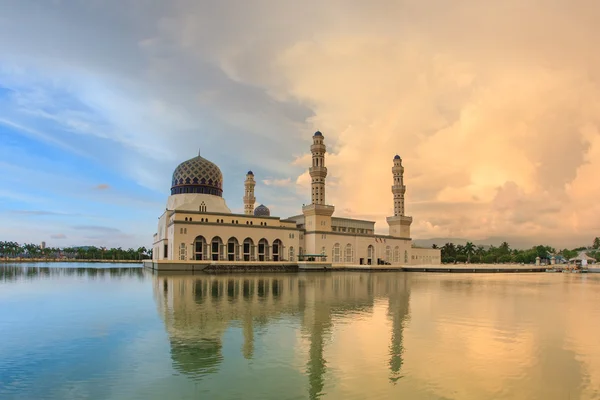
(69, 177)
(91, 134)
(101, 99)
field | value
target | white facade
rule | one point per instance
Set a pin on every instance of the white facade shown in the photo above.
(198, 225)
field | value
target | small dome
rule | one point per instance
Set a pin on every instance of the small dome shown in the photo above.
(397, 157)
(250, 173)
(197, 175)
(262, 211)
(318, 133)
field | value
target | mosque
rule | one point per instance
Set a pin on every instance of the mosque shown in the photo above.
(197, 229)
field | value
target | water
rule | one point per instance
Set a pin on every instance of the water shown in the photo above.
(126, 333)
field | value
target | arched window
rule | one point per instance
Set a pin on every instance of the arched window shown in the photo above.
(388, 253)
(336, 253)
(291, 255)
(405, 256)
(348, 254)
(396, 254)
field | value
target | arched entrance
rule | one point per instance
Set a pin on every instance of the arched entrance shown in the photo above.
(200, 248)
(277, 250)
(248, 249)
(233, 249)
(216, 245)
(263, 250)
(370, 254)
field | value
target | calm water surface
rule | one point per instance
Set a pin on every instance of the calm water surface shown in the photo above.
(71, 332)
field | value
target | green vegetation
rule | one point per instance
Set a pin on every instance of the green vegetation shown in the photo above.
(504, 254)
(16, 250)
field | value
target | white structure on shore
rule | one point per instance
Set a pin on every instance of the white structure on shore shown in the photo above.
(197, 225)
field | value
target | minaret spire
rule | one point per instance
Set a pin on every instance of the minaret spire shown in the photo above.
(399, 223)
(249, 198)
(398, 188)
(318, 171)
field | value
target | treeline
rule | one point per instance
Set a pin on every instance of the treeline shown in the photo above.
(505, 254)
(30, 250)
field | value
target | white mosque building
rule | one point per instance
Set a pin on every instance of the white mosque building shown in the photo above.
(197, 229)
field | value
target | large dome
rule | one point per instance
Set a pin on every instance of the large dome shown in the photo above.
(197, 175)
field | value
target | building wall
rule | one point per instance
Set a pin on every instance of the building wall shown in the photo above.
(176, 228)
(354, 247)
(422, 256)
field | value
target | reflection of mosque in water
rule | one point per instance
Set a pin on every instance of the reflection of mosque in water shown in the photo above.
(197, 311)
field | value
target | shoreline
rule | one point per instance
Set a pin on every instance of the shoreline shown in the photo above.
(61, 260)
(303, 266)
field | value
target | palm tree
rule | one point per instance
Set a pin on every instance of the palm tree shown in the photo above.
(469, 250)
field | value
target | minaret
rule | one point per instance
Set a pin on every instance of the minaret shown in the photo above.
(318, 171)
(317, 215)
(399, 224)
(249, 198)
(398, 188)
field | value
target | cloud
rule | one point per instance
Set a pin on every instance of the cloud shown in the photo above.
(277, 182)
(40, 212)
(58, 236)
(494, 108)
(102, 186)
(99, 229)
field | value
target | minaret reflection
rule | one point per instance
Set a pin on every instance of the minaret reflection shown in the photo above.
(198, 309)
(398, 312)
(329, 296)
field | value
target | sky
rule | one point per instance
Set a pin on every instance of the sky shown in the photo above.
(494, 108)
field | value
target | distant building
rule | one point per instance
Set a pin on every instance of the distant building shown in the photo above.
(197, 225)
(43, 245)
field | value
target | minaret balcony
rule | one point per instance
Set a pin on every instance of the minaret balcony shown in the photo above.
(318, 148)
(318, 171)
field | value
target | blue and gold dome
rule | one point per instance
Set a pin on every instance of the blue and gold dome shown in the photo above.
(197, 175)
(262, 211)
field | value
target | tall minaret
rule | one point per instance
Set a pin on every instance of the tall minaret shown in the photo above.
(317, 215)
(249, 198)
(399, 223)
(318, 171)
(398, 188)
